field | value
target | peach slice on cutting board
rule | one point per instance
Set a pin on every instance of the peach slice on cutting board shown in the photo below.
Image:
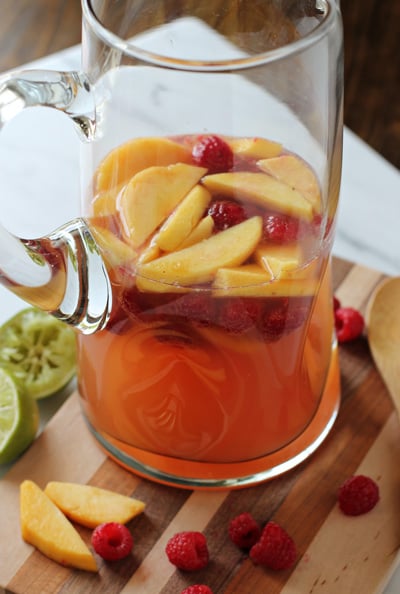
(261, 189)
(199, 263)
(44, 526)
(138, 154)
(90, 506)
(293, 171)
(151, 196)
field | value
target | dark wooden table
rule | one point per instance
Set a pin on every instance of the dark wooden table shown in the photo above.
(30, 29)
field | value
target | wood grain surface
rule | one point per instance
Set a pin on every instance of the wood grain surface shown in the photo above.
(337, 553)
(31, 29)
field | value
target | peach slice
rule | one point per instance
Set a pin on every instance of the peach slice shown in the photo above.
(105, 203)
(251, 280)
(245, 280)
(91, 506)
(150, 252)
(115, 251)
(126, 160)
(199, 263)
(183, 219)
(278, 260)
(202, 231)
(261, 189)
(151, 195)
(258, 148)
(45, 527)
(296, 173)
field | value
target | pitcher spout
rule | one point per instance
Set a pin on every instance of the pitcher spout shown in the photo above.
(62, 273)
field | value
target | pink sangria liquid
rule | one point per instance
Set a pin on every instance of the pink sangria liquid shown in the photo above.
(217, 366)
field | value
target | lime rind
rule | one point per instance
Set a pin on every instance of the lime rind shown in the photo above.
(39, 350)
(19, 418)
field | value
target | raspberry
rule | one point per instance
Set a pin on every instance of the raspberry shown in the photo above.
(238, 315)
(195, 307)
(197, 589)
(275, 548)
(214, 153)
(280, 228)
(282, 317)
(336, 303)
(349, 323)
(126, 311)
(244, 531)
(358, 495)
(226, 213)
(112, 541)
(188, 551)
(274, 319)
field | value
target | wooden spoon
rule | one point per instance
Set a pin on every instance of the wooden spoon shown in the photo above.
(383, 324)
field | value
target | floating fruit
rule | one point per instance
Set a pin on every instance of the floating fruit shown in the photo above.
(203, 230)
(125, 161)
(261, 189)
(200, 262)
(151, 196)
(296, 173)
(184, 219)
(257, 148)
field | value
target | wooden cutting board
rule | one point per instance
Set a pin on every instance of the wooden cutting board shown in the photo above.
(337, 553)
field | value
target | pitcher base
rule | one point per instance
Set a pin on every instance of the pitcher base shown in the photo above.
(204, 475)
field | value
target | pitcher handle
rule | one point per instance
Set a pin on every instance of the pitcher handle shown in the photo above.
(62, 273)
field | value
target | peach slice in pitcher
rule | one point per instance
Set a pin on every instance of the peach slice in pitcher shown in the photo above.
(199, 263)
(105, 203)
(293, 171)
(203, 230)
(125, 161)
(247, 280)
(151, 196)
(252, 280)
(183, 219)
(115, 251)
(261, 189)
(257, 148)
(279, 260)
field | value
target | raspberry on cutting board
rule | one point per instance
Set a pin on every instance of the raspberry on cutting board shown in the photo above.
(275, 548)
(358, 495)
(112, 541)
(188, 550)
(197, 589)
(244, 531)
(349, 323)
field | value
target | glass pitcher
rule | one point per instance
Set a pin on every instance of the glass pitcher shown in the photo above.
(198, 276)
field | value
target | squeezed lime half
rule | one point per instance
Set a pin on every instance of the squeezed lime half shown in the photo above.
(19, 418)
(39, 350)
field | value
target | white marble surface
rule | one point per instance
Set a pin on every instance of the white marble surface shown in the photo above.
(39, 159)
